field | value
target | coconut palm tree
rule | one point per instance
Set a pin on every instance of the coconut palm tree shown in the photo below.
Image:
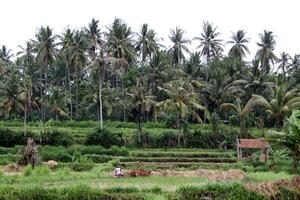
(79, 47)
(178, 45)
(241, 111)
(290, 138)
(66, 53)
(281, 105)
(210, 44)
(11, 94)
(142, 99)
(239, 43)
(147, 43)
(284, 64)
(182, 101)
(45, 48)
(265, 54)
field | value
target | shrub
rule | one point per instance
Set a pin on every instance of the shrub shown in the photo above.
(55, 137)
(218, 191)
(168, 139)
(69, 193)
(64, 171)
(55, 153)
(78, 167)
(41, 170)
(27, 170)
(97, 158)
(143, 139)
(9, 138)
(105, 138)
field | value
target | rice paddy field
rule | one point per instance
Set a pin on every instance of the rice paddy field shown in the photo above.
(176, 173)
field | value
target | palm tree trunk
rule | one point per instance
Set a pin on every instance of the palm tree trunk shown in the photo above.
(25, 119)
(179, 133)
(76, 94)
(70, 93)
(100, 100)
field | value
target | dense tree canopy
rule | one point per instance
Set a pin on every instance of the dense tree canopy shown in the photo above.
(118, 74)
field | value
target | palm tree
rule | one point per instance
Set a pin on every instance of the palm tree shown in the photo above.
(45, 49)
(5, 54)
(11, 94)
(209, 43)
(281, 105)
(66, 52)
(147, 43)
(182, 101)
(241, 111)
(266, 52)
(142, 99)
(290, 138)
(284, 64)
(120, 43)
(96, 50)
(239, 41)
(179, 45)
(79, 47)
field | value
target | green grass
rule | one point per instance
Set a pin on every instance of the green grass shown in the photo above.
(267, 176)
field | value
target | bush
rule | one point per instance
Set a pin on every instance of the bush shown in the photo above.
(218, 191)
(55, 137)
(41, 170)
(54, 153)
(207, 140)
(143, 139)
(97, 158)
(105, 138)
(69, 193)
(78, 167)
(27, 170)
(9, 138)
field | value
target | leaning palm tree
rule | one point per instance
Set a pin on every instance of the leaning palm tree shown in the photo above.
(241, 111)
(281, 105)
(182, 101)
(239, 41)
(210, 44)
(178, 45)
(266, 54)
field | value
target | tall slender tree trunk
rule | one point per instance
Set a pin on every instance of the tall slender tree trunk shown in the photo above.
(70, 94)
(179, 133)
(76, 94)
(25, 119)
(100, 100)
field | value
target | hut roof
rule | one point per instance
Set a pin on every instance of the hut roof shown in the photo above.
(253, 143)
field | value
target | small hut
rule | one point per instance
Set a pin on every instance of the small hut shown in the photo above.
(260, 143)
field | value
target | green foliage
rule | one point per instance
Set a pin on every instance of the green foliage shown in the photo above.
(70, 193)
(10, 138)
(104, 137)
(218, 191)
(55, 137)
(27, 171)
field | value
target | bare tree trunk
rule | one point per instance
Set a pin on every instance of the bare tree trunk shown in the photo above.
(25, 119)
(76, 94)
(100, 100)
(70, 94)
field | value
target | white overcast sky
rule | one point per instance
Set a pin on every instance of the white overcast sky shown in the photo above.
(20, 19)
